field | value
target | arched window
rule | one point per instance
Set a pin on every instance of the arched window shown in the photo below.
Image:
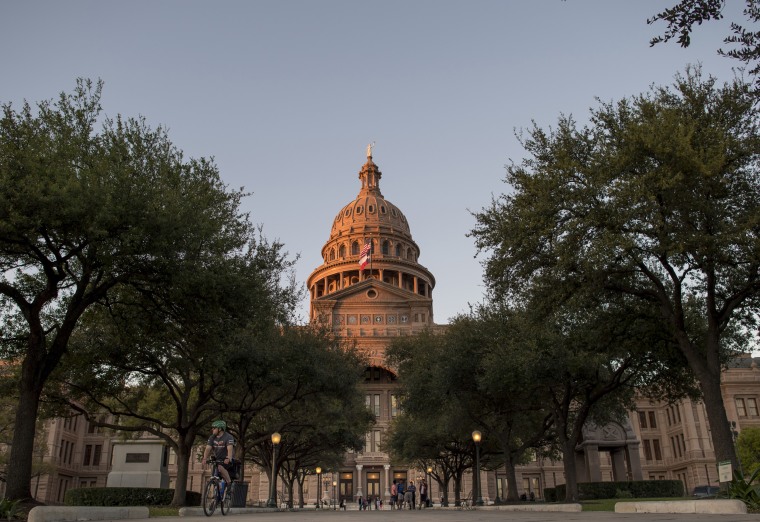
(355, 248)
(398, 250)
(409, 253)
(332, 254)
(386, 248)
(342, 251)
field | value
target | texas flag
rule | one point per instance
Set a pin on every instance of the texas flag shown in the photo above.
(364, 255)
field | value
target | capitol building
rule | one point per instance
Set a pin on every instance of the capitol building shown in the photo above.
(372, 288)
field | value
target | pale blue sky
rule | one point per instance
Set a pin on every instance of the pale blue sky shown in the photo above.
(287, 94)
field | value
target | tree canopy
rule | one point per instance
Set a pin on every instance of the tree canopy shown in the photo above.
(682, 17)
(658, 198)
(85, 212)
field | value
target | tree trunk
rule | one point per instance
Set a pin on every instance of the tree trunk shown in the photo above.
(18, 482)
(458, 489)
(445, 490)
(184, 451)
(707, 369)
(571, 473)
(512, 492)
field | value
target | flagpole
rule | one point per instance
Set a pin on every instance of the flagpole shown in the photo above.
(370, 258)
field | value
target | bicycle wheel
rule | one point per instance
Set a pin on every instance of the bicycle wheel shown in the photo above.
(209, 497)
(227, 500)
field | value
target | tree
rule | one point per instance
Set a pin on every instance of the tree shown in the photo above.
(748, 446)
(682, 17)
(433, 427)
(161, 356)
(306, 389)
(488, 366)
(83, 213)
(657, 199)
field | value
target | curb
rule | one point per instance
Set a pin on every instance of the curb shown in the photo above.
(709, 507)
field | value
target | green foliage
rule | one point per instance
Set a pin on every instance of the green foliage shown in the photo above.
(627, 489)
(623, 493)
(746, 490)
(748, 447)
(87, 216)
(9, 509)
(682, 17)
(655, 199)
(126, 497)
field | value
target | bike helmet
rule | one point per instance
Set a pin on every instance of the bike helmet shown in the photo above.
(219, 424)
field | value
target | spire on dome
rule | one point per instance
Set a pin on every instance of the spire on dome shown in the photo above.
(370, 174)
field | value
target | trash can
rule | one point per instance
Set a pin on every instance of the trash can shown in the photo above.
(240, 494)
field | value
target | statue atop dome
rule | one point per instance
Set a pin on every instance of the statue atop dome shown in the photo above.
(369, 149)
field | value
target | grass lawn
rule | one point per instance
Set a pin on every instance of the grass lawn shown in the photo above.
(162, 511)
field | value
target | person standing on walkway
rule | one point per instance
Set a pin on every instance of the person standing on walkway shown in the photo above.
(423, 494)
(410, 494)
(394, 494)
(400, 492)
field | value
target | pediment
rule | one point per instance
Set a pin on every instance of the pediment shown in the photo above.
(386, 294)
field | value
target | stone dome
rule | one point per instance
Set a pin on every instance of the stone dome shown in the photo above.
(370, 209)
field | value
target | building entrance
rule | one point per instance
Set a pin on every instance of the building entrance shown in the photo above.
(346, 491)
(373, 484)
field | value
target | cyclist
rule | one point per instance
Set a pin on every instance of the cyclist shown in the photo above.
(223, 446)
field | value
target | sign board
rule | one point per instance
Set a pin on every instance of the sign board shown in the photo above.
(724, 471)
(137, 457)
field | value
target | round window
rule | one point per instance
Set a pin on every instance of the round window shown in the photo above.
(371, 293)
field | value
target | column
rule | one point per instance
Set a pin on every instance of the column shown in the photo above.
(416, 287)
(634, 460)
(619, 472)
(360, 481)
(387, 480)
(593, 472)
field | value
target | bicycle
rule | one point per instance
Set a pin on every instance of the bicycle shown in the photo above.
(212, 497)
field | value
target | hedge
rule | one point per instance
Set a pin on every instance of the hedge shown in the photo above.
(634, 489)
(126, 497)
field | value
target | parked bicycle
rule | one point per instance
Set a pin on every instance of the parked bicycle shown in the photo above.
(217, 493)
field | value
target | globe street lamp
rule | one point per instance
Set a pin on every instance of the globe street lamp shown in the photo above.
(276, 438)
(476, 436)
(334, 506)
(319, 487)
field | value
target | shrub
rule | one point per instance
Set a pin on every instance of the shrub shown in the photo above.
(126, 497)
(744, 489)
(8, 509)
(634, 488)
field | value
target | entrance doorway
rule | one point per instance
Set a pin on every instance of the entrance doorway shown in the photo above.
(373, 484)
(346, 487)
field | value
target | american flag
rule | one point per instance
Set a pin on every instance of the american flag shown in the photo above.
(364, 255)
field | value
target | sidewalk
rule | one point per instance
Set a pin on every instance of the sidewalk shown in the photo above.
(443, 515)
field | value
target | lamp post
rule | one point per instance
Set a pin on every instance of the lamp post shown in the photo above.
(335, 483)
(319, 487)
(429, 486)
(276, 438)
(476, 436)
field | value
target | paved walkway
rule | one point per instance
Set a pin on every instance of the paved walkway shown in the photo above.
(437, 515)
